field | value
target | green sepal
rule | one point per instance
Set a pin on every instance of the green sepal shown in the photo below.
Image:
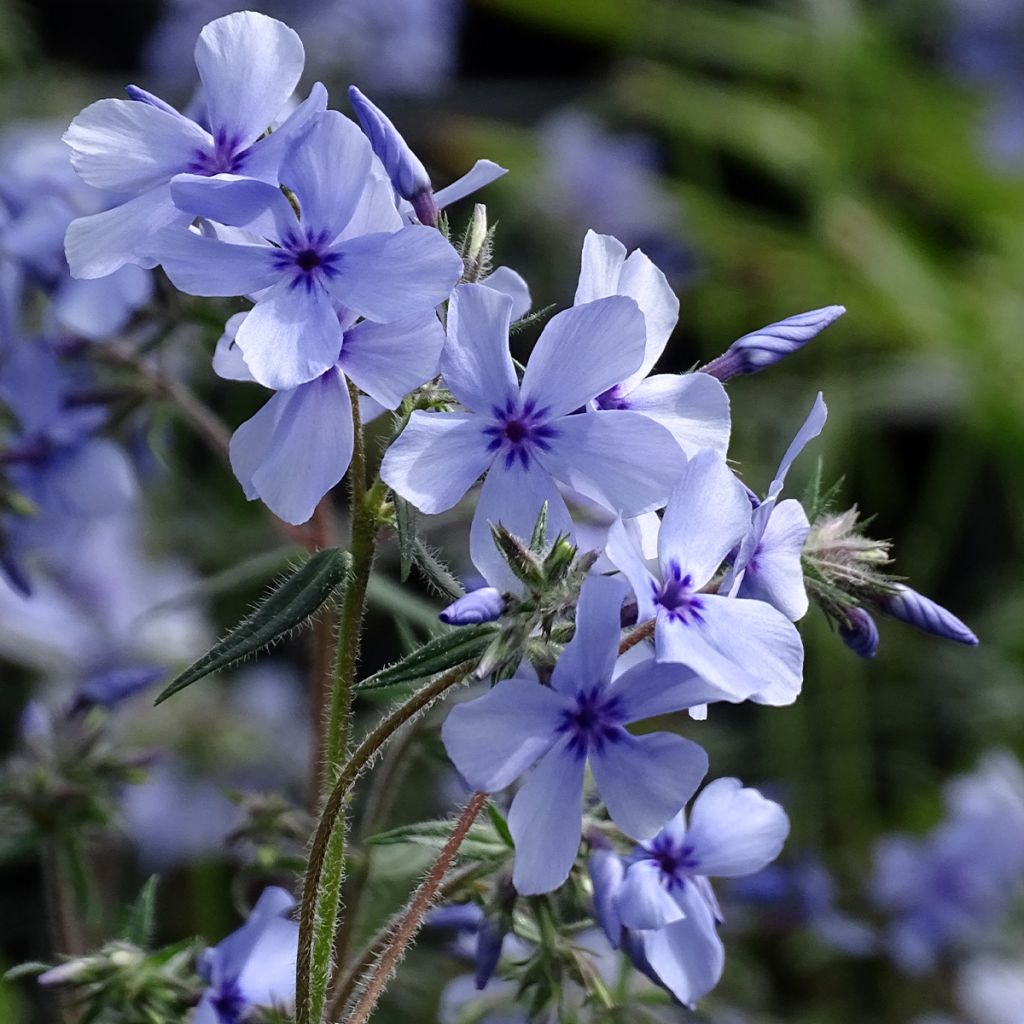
(443, 652)
(481, 842)
(286, 608)
(140, 921)
(405, 521)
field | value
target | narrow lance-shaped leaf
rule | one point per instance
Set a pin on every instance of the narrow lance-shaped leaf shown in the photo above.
(405, 521)
(140, 921)
(289, 606)
(439, 654)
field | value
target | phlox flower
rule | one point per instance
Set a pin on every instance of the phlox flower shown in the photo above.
(768, 565)
(662, 896)
(349, 250)
(693, 406)
(578, 722)
(740, 645)
(249, 65)
(527, 435)
(254, 966)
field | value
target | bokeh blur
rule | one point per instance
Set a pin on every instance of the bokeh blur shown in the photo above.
(771, 157)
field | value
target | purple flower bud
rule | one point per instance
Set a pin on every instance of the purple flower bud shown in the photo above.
(406, 171)
(108, 689)
(860, 633)
(765, 347)
(483, 605)
(909, 606)
(607, 869)
(489, 940)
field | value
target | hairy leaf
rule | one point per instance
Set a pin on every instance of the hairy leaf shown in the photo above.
(442, 653)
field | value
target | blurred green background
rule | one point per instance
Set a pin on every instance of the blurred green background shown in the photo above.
(774, 158)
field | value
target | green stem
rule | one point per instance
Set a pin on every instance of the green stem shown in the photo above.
(322, 885)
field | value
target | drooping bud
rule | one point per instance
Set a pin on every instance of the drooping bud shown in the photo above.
(607, 871)
(917, 610)
(483, 605)
(859, 633)
(489, 941)
(407, 173)
(763, 348)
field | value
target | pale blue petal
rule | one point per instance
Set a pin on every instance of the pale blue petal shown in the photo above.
(644, 901)
(205, 1013)
(97, 480)
(436, 459)
(101, 243)
(620, 459)
(327, 168)
(607, 870)
(508, 282)
(296, 448)
(376, 209)
(99, 309)
(513, 497)
(387, 277)
(811, 428)
(199, 265)
(545, 820)
(476, 363)
(583, 352)
(692, 406)
(600, 267)
(643, 281)
(389, 360)
(128, 147)
(752, 640)
(291, 336)
(263, 159)
(626, 556)
(268, 978)
(735, 831)
(482, 173)
(588, 659)
(706, 517)
(235, 201)
(645, 780)
(687, 956)
(655, 688)
(250, 65)
(774, 571)
(228, 362)
(494, 739)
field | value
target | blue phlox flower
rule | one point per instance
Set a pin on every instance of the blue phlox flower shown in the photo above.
(768, 565)
(693, 406)
(405, 170)
(662, 894)
(249, 65)
(526, 436)
(348, 252)
(254, 966)
(299, 445)
(580, 721)
(743, 646)
(990, 989)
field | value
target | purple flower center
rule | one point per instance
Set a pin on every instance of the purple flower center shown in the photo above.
(613, 398)
(678, 597)
(229, 1003)
(519, 433)
(225, 158)
(596, 719)
(307, 257)
(676, 863)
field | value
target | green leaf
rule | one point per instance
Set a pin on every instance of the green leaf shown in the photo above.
(291, 605)
(539, 540)
(500, 825)
(481, 841)
(25, 969)
(443, 652)
(139, 925)
(438, 576)
(405, 520)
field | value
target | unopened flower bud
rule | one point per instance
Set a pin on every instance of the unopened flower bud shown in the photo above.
(860, 633)
(483, 605)
(911, 607)
(763, 348)
(108, 689)
(407, 173)
(489, 940)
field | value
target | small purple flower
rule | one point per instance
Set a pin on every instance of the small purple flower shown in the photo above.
(768, 565)
(483, 605)
(765, 347)
(249, 65)
(693, 406)
(348, 251)
(580, 720)
(911, 607)
(743, 646)
(664, 896)
(859, 633)
(254, 966)
(526, 436)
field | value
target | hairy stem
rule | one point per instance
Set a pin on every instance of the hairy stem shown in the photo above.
(321, 665)
(412, 918)
(321, 888)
